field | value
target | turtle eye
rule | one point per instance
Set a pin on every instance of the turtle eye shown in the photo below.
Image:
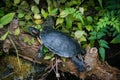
(33, 31)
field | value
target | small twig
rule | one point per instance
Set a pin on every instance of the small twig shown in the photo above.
(8, 75)
(29, 59)
(54, 67)
(16, 50)
(118, 53)
(57, 74)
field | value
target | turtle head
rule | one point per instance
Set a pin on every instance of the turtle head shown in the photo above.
(33, 31)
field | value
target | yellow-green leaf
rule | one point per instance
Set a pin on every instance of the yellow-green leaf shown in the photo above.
(3, 37)
(79, 34)
(47, 57)
(16, 2)
(45, 14)
(26, 39)
(59, 21)
(17, 31)
(7, 18)
(35, 9)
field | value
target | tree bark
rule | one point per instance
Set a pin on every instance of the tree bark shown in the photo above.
(95, 68)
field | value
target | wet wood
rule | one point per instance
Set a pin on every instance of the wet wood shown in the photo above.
(95, 68)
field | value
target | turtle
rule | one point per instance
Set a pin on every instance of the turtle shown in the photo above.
(59, 43)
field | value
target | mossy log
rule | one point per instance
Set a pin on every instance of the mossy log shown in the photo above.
(95, 68)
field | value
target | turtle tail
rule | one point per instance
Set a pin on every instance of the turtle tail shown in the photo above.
(79, 63)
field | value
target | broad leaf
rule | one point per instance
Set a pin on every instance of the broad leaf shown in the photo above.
(7, 18)
(102, 53)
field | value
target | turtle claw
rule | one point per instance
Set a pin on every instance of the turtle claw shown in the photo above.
(79, 64)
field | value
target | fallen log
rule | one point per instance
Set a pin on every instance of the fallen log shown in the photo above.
(95, 68)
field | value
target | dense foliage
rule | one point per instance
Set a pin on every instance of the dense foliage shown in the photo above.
(88, 21)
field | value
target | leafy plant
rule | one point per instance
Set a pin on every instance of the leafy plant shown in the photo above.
(6, 19)
(108, 25)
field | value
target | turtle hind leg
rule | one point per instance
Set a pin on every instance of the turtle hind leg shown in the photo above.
(79, 63)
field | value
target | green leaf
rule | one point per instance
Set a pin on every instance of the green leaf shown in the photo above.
(2, 13)
(7, 18)
(45, 14)
(89, 27)
(1, 26)
(3, 37)
(100, 35)
(92, 37)
(83, 38)
(24, 5)
(68, 22)
(93, 33)
(47, 57)
(116, 40)
(26, 39)
(104, 45)
(59, 21)
(81, 9)
(21, 23)
(89, 19)
(21, 15)
(16, 2)
(53, 12)
(17, 31)
(35, 9)
(102, 53)
(100, 2)
(79, 34)
(37, 1)
(78, 16)
(32, 41)
(66, 12)
(28, 16)
(103, 42)
(63, 14)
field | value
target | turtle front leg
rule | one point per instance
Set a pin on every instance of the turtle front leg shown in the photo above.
(41, 51)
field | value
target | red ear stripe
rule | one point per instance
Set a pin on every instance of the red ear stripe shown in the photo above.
(34, 32)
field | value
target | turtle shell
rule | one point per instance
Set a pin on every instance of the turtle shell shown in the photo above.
(60, 43)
